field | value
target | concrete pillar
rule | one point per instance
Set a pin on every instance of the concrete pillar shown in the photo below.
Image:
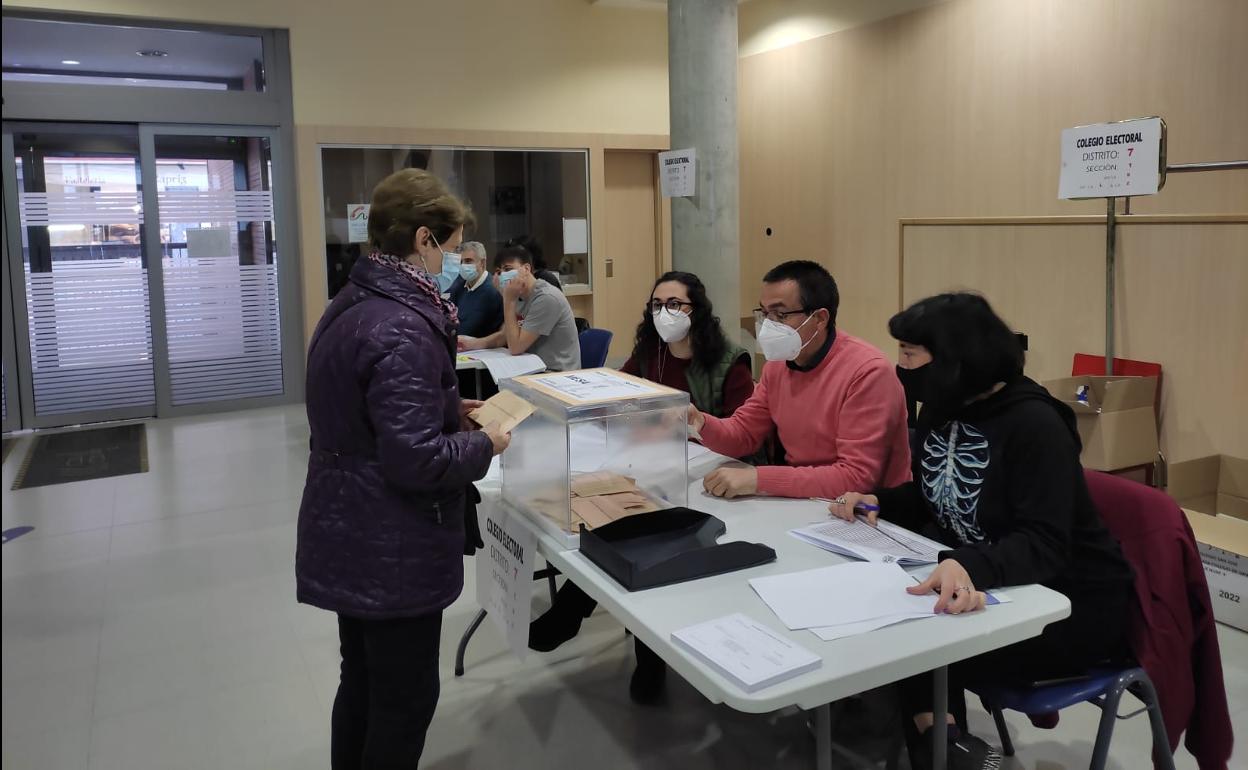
(702, 86)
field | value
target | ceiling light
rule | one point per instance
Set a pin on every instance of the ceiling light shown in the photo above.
(70, 61)
(153, 53)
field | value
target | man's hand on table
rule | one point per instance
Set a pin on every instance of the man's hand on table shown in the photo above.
(731, 482)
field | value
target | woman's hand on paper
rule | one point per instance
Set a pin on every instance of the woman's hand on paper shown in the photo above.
(957, 592)
(846, 510)
(465, 406)
(465, 342)
(499, 439)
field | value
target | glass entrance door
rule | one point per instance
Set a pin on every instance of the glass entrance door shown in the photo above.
(145, 272)
(80, 298)
(219, 259)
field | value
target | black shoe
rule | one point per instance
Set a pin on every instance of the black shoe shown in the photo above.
(965, 752)
(649, 678)
(562, 621)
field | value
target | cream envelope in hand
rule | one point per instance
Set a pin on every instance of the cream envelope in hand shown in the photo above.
(505, 409)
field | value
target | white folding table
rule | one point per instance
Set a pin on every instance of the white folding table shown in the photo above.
(850, 666)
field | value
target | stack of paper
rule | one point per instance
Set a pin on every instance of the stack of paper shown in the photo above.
(746, 652)
(845, 599)
(603, 497)
(502, 364)
(885, 542)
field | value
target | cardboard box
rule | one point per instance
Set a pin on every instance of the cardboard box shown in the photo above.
(1117, 423)
(1217, 485)
(1223, 543)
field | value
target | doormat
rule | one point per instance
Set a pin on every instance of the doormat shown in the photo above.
(59, 458)
(14, 533)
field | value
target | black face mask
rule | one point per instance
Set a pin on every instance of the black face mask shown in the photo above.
(917, 383)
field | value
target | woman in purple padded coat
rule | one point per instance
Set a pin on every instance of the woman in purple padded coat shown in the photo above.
(381, 525)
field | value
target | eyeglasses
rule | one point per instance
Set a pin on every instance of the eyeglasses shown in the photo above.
(673, 305)
(775, 315)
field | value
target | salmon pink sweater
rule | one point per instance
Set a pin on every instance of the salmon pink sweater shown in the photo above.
(842, 424)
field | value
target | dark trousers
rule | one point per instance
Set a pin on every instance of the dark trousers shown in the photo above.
(1095, 633)
(387, 692)
(572, 599)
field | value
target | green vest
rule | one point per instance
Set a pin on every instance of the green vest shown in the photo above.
(706, 388)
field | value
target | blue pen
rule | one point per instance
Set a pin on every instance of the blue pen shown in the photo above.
(858, 507)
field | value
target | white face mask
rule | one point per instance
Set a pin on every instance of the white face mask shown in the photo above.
(672, 327)
(779, 342)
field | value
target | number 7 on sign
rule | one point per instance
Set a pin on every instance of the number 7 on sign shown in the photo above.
(1130, 151)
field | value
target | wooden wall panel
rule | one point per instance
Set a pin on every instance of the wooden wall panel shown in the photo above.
(955, 111)
(1044, 280)
(1180, 300)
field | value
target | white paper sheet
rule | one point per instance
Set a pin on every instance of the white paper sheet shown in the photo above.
(746, 651)
(502, 364)
(575, 236)
(588, 386)
(844, 593)
(831, 633)
(859, 540)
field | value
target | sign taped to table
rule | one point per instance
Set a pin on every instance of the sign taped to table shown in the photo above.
(505, 573)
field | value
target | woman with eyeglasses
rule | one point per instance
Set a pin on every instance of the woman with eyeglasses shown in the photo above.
(680, 344)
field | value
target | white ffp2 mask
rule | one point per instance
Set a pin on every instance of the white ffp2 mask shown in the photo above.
(672, 327)
(779, 342)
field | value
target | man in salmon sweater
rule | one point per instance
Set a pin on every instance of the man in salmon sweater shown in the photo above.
(834, 400)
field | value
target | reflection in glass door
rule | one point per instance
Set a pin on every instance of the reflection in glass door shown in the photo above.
(84, 275)
(219, 258)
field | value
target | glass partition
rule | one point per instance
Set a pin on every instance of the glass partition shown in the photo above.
(541, 194)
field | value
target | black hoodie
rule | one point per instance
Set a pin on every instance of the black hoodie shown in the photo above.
(1003, 483)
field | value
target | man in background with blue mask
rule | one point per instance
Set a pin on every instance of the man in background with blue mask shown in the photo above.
(536, 316)
(474, 293)
(832, 399)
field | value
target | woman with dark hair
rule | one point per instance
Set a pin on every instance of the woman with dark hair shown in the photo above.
(996, 478)
(679, 344)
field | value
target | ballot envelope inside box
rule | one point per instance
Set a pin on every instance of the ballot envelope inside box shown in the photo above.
(599, 446)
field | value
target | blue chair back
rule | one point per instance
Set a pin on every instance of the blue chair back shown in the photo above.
(594, 346)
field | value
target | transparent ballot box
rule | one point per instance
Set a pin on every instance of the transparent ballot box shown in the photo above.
(599, 446)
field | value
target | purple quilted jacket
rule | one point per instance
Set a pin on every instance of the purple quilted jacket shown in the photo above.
(381, 524)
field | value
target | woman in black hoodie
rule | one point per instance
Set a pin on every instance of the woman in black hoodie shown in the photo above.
(996, 477)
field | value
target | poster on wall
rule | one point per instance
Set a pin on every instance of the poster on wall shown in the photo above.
(1108, 160)
(678, 172)
(357, 222)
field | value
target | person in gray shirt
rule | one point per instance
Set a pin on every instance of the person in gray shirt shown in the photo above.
(536, 316)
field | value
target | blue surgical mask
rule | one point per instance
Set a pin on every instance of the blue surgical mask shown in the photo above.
(506, 277)
(450, 268)
(468, 272)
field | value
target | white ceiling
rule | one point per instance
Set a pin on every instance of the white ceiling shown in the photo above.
(41, 45)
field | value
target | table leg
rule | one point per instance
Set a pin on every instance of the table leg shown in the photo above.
(477, 376)
(940, 711)
(823, 737)
(463, 642)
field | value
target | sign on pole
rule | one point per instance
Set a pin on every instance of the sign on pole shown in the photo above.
(678, 173)
(1111, 160)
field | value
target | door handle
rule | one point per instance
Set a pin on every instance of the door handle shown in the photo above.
(610, 268)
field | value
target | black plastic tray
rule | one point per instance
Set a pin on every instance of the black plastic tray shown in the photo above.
(665, 547)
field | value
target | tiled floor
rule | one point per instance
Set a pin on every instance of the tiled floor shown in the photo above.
(149, 622)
